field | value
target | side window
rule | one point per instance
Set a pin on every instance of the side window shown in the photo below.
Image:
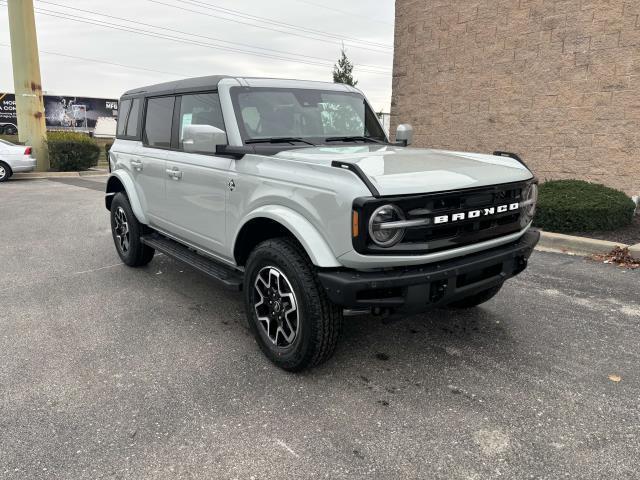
(157, 124)
(132, 123)
(200, 109)
(372, 126)
(123, 112)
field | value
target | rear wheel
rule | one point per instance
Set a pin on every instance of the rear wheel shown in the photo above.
(126, 231)
(10, 130)
(291, 317)
(477, 299)
(5, 172)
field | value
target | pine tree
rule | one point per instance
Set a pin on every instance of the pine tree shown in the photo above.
(343, 70)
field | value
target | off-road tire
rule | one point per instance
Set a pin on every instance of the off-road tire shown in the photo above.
(137, 254)
(319, 322)
(5, 172)
(477, 299)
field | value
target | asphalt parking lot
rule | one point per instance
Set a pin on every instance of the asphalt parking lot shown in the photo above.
(110, 372)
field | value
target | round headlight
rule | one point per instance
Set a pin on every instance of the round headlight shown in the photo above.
(529, 200)
(381, 232)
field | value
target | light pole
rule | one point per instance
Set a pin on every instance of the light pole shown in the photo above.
(26, 78)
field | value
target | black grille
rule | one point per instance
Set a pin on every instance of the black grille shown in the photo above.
(435, 237)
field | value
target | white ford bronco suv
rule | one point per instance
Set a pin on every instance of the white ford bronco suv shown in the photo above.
(291, 192)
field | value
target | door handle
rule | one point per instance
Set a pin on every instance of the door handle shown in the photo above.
(174, 173)
(137, 165)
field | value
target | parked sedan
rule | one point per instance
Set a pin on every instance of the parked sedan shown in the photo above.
(14, 158)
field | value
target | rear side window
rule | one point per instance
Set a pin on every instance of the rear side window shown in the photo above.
(200, 109)
(134, 115)
(123, 112)
(157, 123)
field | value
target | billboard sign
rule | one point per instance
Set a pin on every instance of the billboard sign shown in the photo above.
(64, 112)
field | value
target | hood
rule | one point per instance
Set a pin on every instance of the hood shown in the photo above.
(401, 171)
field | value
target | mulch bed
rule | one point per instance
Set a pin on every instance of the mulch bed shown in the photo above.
(629, 235)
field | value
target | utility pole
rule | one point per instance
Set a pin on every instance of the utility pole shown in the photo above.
(26, 79)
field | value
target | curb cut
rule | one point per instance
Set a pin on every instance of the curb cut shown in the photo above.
(583, 246)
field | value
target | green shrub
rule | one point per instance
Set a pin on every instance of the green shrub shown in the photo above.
(578, 206)
(71, 151)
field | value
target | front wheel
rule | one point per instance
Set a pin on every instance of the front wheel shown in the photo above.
(126, 231)
(291, 317)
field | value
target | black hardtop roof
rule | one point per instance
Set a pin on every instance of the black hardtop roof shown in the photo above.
(177, 86)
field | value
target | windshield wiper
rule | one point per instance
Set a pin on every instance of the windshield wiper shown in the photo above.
(279, 140)
(354, 139)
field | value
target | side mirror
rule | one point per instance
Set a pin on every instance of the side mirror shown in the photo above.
(203, 138)
(404, 134)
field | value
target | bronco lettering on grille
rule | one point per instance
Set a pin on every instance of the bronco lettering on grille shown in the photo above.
(485, 212)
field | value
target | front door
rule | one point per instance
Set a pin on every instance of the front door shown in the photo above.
(197, 183)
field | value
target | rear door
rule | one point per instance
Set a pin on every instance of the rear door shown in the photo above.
(151, 157)
(142, 163)
(197, 183)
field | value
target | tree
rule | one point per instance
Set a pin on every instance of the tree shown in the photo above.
(343, 70)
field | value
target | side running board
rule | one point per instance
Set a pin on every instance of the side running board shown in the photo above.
(229, 277)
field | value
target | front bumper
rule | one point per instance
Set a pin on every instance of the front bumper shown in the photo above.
(414, 289)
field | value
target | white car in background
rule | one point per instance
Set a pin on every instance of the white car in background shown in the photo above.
(14, 159)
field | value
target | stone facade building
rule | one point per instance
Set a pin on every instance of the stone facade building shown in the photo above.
(556, 81)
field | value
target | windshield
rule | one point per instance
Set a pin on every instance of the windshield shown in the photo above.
(314, 115)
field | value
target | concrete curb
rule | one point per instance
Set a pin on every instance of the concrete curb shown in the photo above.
(559, 242)
(94, 173)
(44, 175)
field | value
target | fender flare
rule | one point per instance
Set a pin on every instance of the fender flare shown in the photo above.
(311, 240)
(130, 189)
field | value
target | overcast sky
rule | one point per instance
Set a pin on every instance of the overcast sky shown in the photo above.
(207, 35)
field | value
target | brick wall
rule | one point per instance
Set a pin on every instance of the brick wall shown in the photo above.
(555, 81)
